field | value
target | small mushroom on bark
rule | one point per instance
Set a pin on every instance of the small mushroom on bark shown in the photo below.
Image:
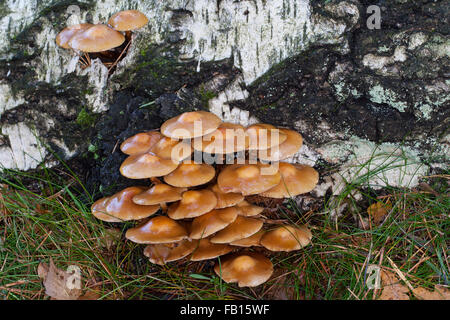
(98, 38)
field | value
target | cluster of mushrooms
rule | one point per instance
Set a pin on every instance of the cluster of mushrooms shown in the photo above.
(106, 42)
(208, 215)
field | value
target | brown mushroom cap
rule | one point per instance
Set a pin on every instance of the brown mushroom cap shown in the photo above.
(128, 20)
(296, 179)
(263, 136)
(186, 125)
(142, 166)
(97, 38)
(166, 252)
(240, 228)
(247, 209)
(190, 174)
(286, 238)
(208, 250)
(122, 207)
(286, 149)
(225, 200)
(98, 209)
(211, 222)
(63, 38)
(194, 203)
(140, 143)
(159, 229)
(228, 138)
(253, 240)
(168, 148)
(159, 193)
(247, 178)
(247, 269)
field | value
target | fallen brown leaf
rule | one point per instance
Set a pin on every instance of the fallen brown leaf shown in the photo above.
(378, 211)
(57, 282)
(439, 293)
(393, 289)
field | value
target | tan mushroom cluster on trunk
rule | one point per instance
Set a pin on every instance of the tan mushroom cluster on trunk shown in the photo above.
(204, 212)
(102, 39)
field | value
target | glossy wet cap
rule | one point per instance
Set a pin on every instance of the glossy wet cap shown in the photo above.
(147, 165)
(211, 222)
(97, 38)
(63, 38)
(248, 179)
(252, 241)
(263, 136)
(140, 143)
(194, 203)
(228, 138)
(159, 193)
(240, 228)
(296, 179)
(128, 20)
(190, 174)
(122, 208)
(287, 149)
(159, 229)
(190, 125)
(98, 209)
(248, 269)
(168, 148)
(286, 238)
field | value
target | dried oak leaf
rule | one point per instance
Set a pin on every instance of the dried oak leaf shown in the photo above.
(393, 289)
(57, 282)
(439, 293)
(378, 211)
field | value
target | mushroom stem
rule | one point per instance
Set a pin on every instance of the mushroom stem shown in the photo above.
(163, 207)
(155, 180)
(87, 58)
(120, 56)
(81, 59)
